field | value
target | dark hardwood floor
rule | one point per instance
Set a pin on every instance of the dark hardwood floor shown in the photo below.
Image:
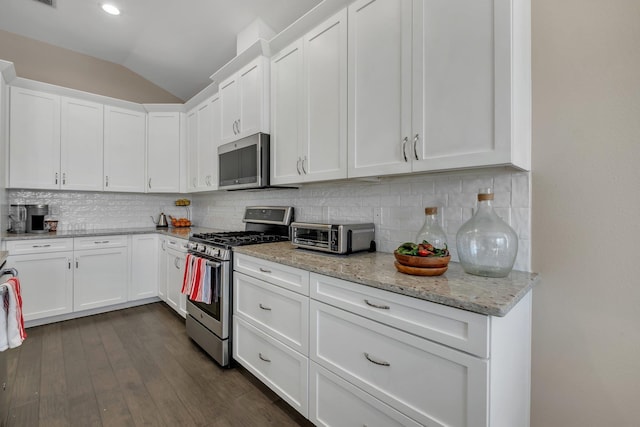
(133, 367)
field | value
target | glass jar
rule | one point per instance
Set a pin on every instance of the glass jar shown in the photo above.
(487, 246)
(431, 231)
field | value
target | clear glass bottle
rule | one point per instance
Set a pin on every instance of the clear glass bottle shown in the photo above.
(487, 246)
(431, 231)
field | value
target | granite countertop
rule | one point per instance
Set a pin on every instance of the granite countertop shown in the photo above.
(455, 288)
(182, 233)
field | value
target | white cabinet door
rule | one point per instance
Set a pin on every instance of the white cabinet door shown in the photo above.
(34, 140)
(253, 90)
(124, 150)
(287, 102)
(230, 109)
(324, 142)
(244, 101)
(163, 152)
(207, 145)
(144, 266)
(379, 101)
(46, 282)
(462, 88)
(175, 274)
(192, 149)
(100, 278)
(82, 137)
(203, 138)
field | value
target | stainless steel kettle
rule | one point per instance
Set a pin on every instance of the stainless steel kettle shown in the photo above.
(161, 222)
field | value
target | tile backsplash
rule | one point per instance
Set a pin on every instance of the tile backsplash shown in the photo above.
(394, 204)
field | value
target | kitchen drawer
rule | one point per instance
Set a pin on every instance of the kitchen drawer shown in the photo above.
(291, 278)
(35, 246)
(282, 369)
(279, 312)
(336, 402)
(428, 382)
(455, 328)
(100, 242)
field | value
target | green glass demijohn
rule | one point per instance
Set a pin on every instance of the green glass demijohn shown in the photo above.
(487, 246)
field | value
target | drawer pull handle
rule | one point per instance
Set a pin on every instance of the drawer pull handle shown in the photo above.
(102, 242)
(377, 362)
(264, 307)
(263, 358)
(40, 246)
(264, 270)
(382, 307)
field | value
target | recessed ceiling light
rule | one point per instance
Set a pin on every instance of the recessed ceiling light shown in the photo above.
(110, 9)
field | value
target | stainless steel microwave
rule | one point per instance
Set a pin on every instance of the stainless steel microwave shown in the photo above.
(244, 164)
(334, 238)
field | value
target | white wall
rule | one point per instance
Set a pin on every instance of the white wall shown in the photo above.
(586, 213)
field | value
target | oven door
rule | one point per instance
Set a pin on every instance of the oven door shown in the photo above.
(313, 236)
(214, 316)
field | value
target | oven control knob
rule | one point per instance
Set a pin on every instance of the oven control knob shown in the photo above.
(201, 248)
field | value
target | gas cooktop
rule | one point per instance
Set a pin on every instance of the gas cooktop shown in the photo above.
(237, 238)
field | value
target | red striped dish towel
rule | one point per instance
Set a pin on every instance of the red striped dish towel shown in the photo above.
(12, 332)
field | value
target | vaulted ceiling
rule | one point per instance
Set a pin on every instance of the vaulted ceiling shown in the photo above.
(175, 44)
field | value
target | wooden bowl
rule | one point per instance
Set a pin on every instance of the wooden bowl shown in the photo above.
(422, 261)
(418, 271)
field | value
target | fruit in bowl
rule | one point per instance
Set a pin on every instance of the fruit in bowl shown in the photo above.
(421, 258)
(180, 222)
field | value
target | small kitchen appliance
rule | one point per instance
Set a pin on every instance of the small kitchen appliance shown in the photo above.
(209, 325)
(334, 238)
(35, 218)
(161, 222)
(17, 218)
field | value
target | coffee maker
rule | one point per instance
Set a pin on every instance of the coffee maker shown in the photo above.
(17, 219)
(35, 218)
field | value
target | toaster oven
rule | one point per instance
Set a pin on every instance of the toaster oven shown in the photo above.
(334, 238)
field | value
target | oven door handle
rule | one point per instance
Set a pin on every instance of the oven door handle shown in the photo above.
(213, 264)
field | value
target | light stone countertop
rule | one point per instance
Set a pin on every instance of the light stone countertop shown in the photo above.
(455, 288)
(3, 256)
(182, 233)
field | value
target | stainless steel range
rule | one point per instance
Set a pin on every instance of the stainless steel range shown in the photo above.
(209, 325)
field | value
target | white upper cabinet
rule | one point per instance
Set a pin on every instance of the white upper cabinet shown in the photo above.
(379, 101)
(34, 140)
(82, 137)
(309, 106)
(124, 150)
(244, 101)
(163, 152)
(436, 85)
(287, 100)
(471, 84)
(203, 139)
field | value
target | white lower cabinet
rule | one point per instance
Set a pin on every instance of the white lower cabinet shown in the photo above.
(175, 252)
(101, 275)
(430, 383)
(46, 276)
(336, 402)
(144, 266)
(378, 358)
(281, 368)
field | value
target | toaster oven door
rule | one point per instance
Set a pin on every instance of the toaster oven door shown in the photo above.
(313, 236)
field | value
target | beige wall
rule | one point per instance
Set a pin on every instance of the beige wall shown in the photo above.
(586, 213)
(46, 63)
